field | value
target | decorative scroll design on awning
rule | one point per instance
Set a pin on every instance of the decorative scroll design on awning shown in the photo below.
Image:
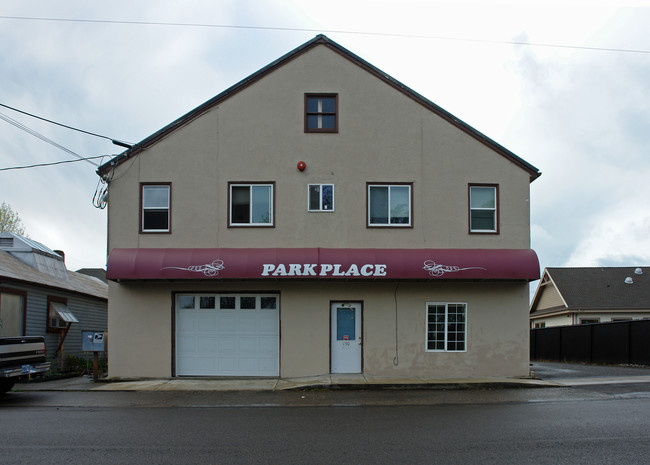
(209, 269)
(438, 270)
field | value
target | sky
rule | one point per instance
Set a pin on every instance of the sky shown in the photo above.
(564, 85)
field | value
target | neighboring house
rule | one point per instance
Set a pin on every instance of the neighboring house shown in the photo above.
(570, 296)
(40, 297)
(319, 217)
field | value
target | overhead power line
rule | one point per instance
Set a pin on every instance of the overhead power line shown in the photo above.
(330, 31)
(38, 165)
(42, 137)
(114, 141)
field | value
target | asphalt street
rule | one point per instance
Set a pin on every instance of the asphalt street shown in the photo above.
(596, 423)
(536, 426)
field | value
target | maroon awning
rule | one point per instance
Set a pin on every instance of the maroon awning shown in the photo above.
(319, 263)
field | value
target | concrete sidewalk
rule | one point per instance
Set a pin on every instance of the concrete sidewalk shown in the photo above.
(333, 381)
(551, 374)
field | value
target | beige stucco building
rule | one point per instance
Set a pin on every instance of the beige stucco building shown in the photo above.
(318, 217)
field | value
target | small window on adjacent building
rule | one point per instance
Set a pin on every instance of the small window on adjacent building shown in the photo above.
(156, 207)
(58, 314)
(321, 198)
(251, 204)
(446, 327)
(483, 201)
(586, 321)
(321, 113)
(540, 325)
(389, 205)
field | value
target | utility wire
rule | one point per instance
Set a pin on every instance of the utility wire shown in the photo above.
(43, 138)
(331, 31)
(115, 141)
(38, 165)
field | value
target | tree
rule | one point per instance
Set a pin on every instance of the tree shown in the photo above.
(10, 221)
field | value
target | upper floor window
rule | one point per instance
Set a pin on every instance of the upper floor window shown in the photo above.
(389, 205)
(156, 208)
(251, 204)
(321, 113)
(321, 198)
(483, 213)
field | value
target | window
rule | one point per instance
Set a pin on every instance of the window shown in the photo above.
(251, 204)
(12, 312)
(389, 205)
(321, 113)
(483, 209)
(155, 200)
(586, 321)
(321, 198)
(217, 302)
(446, 327)
(59, 315)
(540, 325)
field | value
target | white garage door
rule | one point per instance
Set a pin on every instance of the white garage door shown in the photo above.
(227, 335)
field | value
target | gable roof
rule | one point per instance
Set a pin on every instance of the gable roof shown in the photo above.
(316, 41)
(599, 287)
(13, 269)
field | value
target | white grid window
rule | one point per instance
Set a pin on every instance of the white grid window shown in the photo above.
(446, 327)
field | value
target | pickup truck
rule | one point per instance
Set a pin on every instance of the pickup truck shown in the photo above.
(21, 357)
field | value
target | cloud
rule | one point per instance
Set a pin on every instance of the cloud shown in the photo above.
(583, 122)
(579, 116)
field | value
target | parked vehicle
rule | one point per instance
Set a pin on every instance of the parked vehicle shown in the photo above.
(21, 357)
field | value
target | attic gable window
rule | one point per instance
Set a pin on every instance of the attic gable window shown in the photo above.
(321, 113)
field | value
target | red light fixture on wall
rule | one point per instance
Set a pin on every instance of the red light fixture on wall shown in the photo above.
(302, 165)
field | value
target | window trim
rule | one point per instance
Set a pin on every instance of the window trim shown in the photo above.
(320, 209)
(496, 209)
(169, 208)
(232, 184)
(408, 225)
(446, 339)
(335, 129)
